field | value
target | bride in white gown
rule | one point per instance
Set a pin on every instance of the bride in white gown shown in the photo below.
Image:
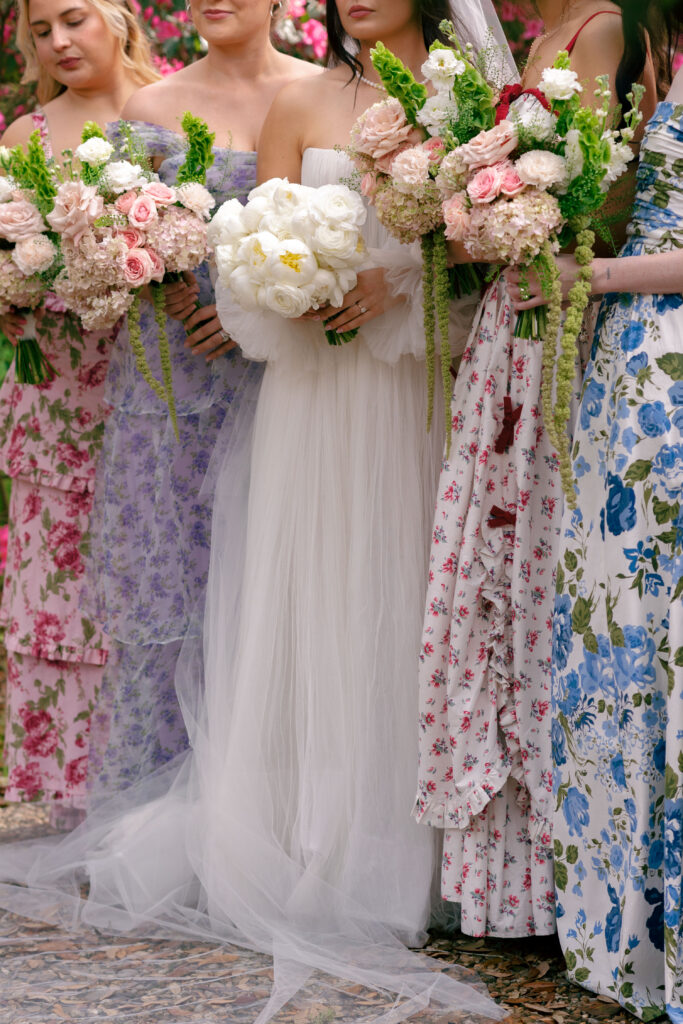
(288, 827)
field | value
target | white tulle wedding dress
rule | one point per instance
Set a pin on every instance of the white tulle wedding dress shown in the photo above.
(288, 829)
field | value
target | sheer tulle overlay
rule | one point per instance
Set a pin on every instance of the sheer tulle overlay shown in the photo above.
(287, 830)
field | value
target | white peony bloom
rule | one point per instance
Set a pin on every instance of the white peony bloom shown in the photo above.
(441, 67)
(254, 250)
(6, 190)
(227, 224)
(338, 247)
(244, 288)
(337, 204)
(437, 113)
(291, 263)
(285, 299)
(95, 152)
(325, 289)
(268, 189)
(529, 112)
(121, 175)
(196, 198)
(559, 83)
(620, 157)
(254, 211)
(225, 258)
(542, 169)
(573, 154)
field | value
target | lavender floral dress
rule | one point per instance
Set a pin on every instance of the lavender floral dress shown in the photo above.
(152, 515)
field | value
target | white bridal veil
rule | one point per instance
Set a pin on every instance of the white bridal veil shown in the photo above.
(221, 846)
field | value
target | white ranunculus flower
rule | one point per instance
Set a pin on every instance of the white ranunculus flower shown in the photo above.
(338, 205)
(95, 152)
(437, 112)
(292, 263)
(559, 83)
(338, 247)
(244, 288)
(286, 299)
(529, 112)
(6, 190)
(441, 67)
(620, 157)
(227, 224)
(121, 175)
(254, 251)
(288, 195)
(542, 169)
(573, 154)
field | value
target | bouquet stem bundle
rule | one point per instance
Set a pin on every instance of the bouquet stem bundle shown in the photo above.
(30, 363)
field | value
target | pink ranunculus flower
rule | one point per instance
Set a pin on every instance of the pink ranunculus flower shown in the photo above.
(511, 184)
(138, 268)
(19, 220)
(160, 193)
(381, 129)
(485, 186)
(125, 201)
(76, 208)
(490, 147)
(133, 238)
(143, 212)
(368, 185)
(456, 217)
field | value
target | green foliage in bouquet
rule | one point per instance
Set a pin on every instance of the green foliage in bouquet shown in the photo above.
(399, 81)
(200, 155)
(30, 170)
(474, 96)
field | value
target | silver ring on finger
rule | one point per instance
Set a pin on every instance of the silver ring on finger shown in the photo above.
(362, 309)
(225, 336)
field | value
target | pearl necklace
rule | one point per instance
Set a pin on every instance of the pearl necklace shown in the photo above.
(373, 85)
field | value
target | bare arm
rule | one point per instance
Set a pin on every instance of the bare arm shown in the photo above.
(281, 145)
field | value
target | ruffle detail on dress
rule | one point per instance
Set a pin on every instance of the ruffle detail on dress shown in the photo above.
(52, 651)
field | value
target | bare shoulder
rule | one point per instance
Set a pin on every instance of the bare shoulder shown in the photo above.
(293, 69)
(151, 102)
(603, 35)
(675, 94)
(19, 132)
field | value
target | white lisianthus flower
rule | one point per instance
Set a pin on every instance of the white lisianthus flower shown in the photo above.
(542, 169)
(286, 299)
(441, 67)
(254, 251)
(573, 154)
(95, 152)
(529, 113)
(620, 157)
(245, 290)
(292, 263)
(559, 83)
(437, 113)
(6, 190)
(196, 198)
(227, 224)
(121, 175)
(337, 204)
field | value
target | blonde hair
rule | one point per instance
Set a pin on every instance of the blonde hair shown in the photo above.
(123, 23)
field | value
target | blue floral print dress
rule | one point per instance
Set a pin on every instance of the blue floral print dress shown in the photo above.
(618, 632)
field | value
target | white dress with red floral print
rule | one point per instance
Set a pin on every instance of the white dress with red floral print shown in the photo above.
(485, 764)
(50, 437)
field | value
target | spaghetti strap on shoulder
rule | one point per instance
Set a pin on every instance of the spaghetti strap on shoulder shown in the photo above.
(40, 123)
(572, 43)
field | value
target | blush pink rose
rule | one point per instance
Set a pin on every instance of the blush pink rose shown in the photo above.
(485, 185)
(143, 212)
(368, 185)
(125, 201)
(19, 220)
(131, 236)
(456, 217)
(490, 147)
(77, 206)
(511, 184)
(160, 193)
(381, 129)
(138, 268)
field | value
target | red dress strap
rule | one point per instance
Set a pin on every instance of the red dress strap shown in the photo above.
(574, 38)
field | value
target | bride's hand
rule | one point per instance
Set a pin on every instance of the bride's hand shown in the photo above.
(205, 334)
(370, 298)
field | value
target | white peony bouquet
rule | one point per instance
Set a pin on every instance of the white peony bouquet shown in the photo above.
(291, 248)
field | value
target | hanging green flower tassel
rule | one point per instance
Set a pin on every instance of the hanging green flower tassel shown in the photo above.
(135, 338)
(159, 303)
(442, 295)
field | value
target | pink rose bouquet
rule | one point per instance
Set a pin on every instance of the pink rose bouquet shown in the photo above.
(122, 230)
(29, 251)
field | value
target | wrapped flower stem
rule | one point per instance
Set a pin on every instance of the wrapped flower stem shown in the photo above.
(31, 366)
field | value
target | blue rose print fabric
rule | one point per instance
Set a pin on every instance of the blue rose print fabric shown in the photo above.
(617, 735)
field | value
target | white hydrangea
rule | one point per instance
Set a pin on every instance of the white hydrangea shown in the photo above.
(559, 83)
(95, 152)
(437, 112)
(441, 67)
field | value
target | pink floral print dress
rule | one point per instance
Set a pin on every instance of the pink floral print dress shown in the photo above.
(485, 764)
(50, 437)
